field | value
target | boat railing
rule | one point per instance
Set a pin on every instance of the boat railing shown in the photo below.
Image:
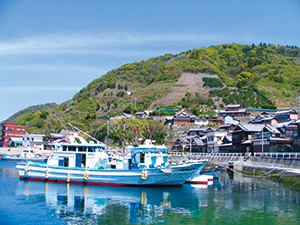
(293, 155)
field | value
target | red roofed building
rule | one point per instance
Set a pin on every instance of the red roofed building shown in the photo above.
(10, 130)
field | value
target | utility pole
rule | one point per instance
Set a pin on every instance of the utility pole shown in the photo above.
(262, 140)
(298, 104)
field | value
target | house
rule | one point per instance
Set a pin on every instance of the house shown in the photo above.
(296, 139)
(276, 117)
(33, 141)
(229, 119)
(141, 115)
(271, 140)
(190, 144)
(9, 130)
(179, 144)
(201, 121)
(15, 142)
(285, 115)
(234, 110)
(264, 118)
(214, 120)
(196, 131)
(214, 140)
(288, 129)
(226, 145)
(255, 138)
(183, 118)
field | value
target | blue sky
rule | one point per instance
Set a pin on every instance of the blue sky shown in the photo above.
(49, 50)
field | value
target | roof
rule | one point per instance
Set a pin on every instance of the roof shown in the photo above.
(232, 111)
(15, 139)
(285, 111)
(233, 105)
(285, 124)
(251, 127)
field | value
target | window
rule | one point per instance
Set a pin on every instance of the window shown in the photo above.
(9, 128)
(72, 148)
(81, 149)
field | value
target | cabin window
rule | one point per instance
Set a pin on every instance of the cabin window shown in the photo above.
(90, 149)
(83, 160)
(142, 157)
(81, 149)
(65, 148)
(72, 148)
(66, 162)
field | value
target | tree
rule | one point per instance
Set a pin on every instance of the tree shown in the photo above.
(244, 78)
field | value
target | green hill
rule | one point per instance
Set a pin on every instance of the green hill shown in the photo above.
(264, 76)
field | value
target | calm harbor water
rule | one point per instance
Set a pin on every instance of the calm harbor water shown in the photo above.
(233, 199)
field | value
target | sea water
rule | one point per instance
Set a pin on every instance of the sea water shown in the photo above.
(233, 199)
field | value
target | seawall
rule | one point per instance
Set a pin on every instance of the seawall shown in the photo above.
(287, 166)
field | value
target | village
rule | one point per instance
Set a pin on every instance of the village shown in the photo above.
(232, 130)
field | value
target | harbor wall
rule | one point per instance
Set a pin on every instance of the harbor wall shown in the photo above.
(289, 166)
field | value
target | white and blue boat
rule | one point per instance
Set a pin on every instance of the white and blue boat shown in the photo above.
(26, 155)
(84, 163)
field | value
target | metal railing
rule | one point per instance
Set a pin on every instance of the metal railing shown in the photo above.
(265, 155)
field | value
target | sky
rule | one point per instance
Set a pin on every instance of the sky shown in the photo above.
(50, 50)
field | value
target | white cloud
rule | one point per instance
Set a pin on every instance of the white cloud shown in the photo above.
(103, 43)
(4, 91)
(55, 67)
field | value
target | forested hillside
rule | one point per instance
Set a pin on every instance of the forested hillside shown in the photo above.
(264, 76)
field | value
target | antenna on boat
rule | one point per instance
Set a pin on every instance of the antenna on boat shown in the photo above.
(85, 134)
(61, 123)
(136, 141)
(124, 124)
(107, 132)
(150, 134)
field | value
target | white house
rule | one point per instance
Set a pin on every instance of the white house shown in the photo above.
(33, 140)
(201, 121)
(214, 140)
(228, 119)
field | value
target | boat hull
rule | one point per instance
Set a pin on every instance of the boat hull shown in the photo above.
(215, 172)
(20, 159)
(171, 176)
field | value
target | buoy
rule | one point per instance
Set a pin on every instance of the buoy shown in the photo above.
(26, 167)
(47, 173)
(86, 176)
(144, 175)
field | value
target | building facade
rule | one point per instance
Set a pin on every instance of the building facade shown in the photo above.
(10, 130)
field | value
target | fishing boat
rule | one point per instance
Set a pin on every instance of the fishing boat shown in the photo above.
(26, 155)
(85, 163)
(198, 178)
(212, 171)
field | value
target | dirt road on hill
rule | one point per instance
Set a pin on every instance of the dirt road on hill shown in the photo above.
(188, 82)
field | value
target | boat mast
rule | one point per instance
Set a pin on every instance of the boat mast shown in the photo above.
(107, 133)
(61, 123)
(124, 124)
(98, 142)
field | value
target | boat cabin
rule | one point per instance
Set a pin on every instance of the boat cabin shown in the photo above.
(83, 156)
(148, 155)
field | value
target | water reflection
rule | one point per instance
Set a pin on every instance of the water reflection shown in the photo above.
(240, 200)
(130, 204)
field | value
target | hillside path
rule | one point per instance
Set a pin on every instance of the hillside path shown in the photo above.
(188, 82)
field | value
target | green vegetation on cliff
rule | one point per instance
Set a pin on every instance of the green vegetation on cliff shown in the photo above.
(263, 76)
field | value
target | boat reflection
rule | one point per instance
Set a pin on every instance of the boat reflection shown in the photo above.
(131, 204)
